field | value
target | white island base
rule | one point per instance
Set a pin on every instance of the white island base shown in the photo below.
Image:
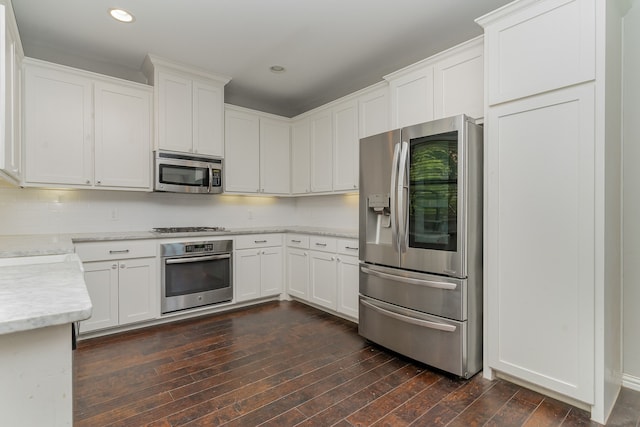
(36, 377)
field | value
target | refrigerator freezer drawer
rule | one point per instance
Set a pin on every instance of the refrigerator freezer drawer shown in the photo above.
(442, 343)
(440, 296)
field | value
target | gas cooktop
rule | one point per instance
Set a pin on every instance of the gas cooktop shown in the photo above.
(187, 229)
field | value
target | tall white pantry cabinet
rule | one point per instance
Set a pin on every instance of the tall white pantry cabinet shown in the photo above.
(552, 197)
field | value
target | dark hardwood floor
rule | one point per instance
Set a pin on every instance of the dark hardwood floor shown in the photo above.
(286, 364)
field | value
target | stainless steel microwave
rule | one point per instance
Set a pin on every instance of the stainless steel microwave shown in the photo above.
(186, 173)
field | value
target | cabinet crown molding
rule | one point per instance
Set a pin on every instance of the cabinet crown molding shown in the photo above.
(151, 61)
(469, 44)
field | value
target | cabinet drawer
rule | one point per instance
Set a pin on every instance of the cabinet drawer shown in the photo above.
(348, 247)
(298, 241)
(104, 251)
(258, 241)
(325, 244)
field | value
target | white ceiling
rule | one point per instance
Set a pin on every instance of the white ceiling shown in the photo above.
(329, 47)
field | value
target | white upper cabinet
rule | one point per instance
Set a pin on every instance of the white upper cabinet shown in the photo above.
(85, 130)
(321, 151)
(412, 97)
(257, 152)
(208, 122)
(373, 111)
(58, 127)
(524, 60)
(189, 107)
(10, 62)
(274, 156)
(300, 158)
(242, 162)
(443, 85)
(122, 136)
(459, 82)
(345, 149)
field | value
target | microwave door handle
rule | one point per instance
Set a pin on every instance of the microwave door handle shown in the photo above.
(402, 201)
(210, 179)
(393, 195)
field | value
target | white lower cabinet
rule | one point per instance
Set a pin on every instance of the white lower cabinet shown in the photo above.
(258, 266)
(324, 272)
(298, 265)
(347, 275)
(122, 282)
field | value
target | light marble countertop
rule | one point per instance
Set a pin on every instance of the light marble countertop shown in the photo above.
(41, 291)
(54, 244)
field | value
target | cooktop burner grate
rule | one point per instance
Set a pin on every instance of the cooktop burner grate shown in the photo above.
(187, 229)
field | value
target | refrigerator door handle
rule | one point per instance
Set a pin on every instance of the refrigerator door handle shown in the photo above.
(402, 202)
(409, 280)
(393, 195)
(419, 322)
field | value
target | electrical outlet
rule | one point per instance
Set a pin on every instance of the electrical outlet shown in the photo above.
(114, 214)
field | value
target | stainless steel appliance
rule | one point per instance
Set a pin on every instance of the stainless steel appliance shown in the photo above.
(182, 173)
(194, 274)
(421, 243)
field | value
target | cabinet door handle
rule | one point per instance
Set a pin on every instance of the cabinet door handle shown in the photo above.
(338, 259)
(123, 266)
(114, 266)
(296, 241)
(259, 241)
(124, 251)
(351, 248)
(321, 244)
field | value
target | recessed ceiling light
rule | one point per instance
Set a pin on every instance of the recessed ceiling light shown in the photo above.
(121, 15)
(277, 69)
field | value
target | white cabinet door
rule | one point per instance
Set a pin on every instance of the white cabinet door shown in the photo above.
(271, 277)
(543, 47)
(274, 156)
(540, 240)
(137, 290)
(374, 112)
(300, 157)
(348, 284)
(175, 115)
(247, 274)
(122, 136)
(208, 118)
(101, 278)
(321, 151)
(59, 127)
(242, 151)
(323, 283)
(459, 83)
(345, 150)
(298, 273)
(10, 136)
(412, 97)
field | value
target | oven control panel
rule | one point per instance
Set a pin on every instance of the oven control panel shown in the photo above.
(198, 247)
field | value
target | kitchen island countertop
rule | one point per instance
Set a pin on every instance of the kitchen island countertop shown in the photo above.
(41, 291)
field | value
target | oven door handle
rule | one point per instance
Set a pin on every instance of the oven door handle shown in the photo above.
(418, 322)
(196, 259)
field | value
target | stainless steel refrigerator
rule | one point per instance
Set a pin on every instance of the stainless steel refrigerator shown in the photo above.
(421, 243)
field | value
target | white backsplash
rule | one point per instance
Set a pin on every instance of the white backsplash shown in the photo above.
(44, 211)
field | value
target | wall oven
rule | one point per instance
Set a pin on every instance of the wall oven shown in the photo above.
(195, 274)
(183, 173)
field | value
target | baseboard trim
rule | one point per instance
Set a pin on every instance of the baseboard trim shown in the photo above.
(631, 382)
